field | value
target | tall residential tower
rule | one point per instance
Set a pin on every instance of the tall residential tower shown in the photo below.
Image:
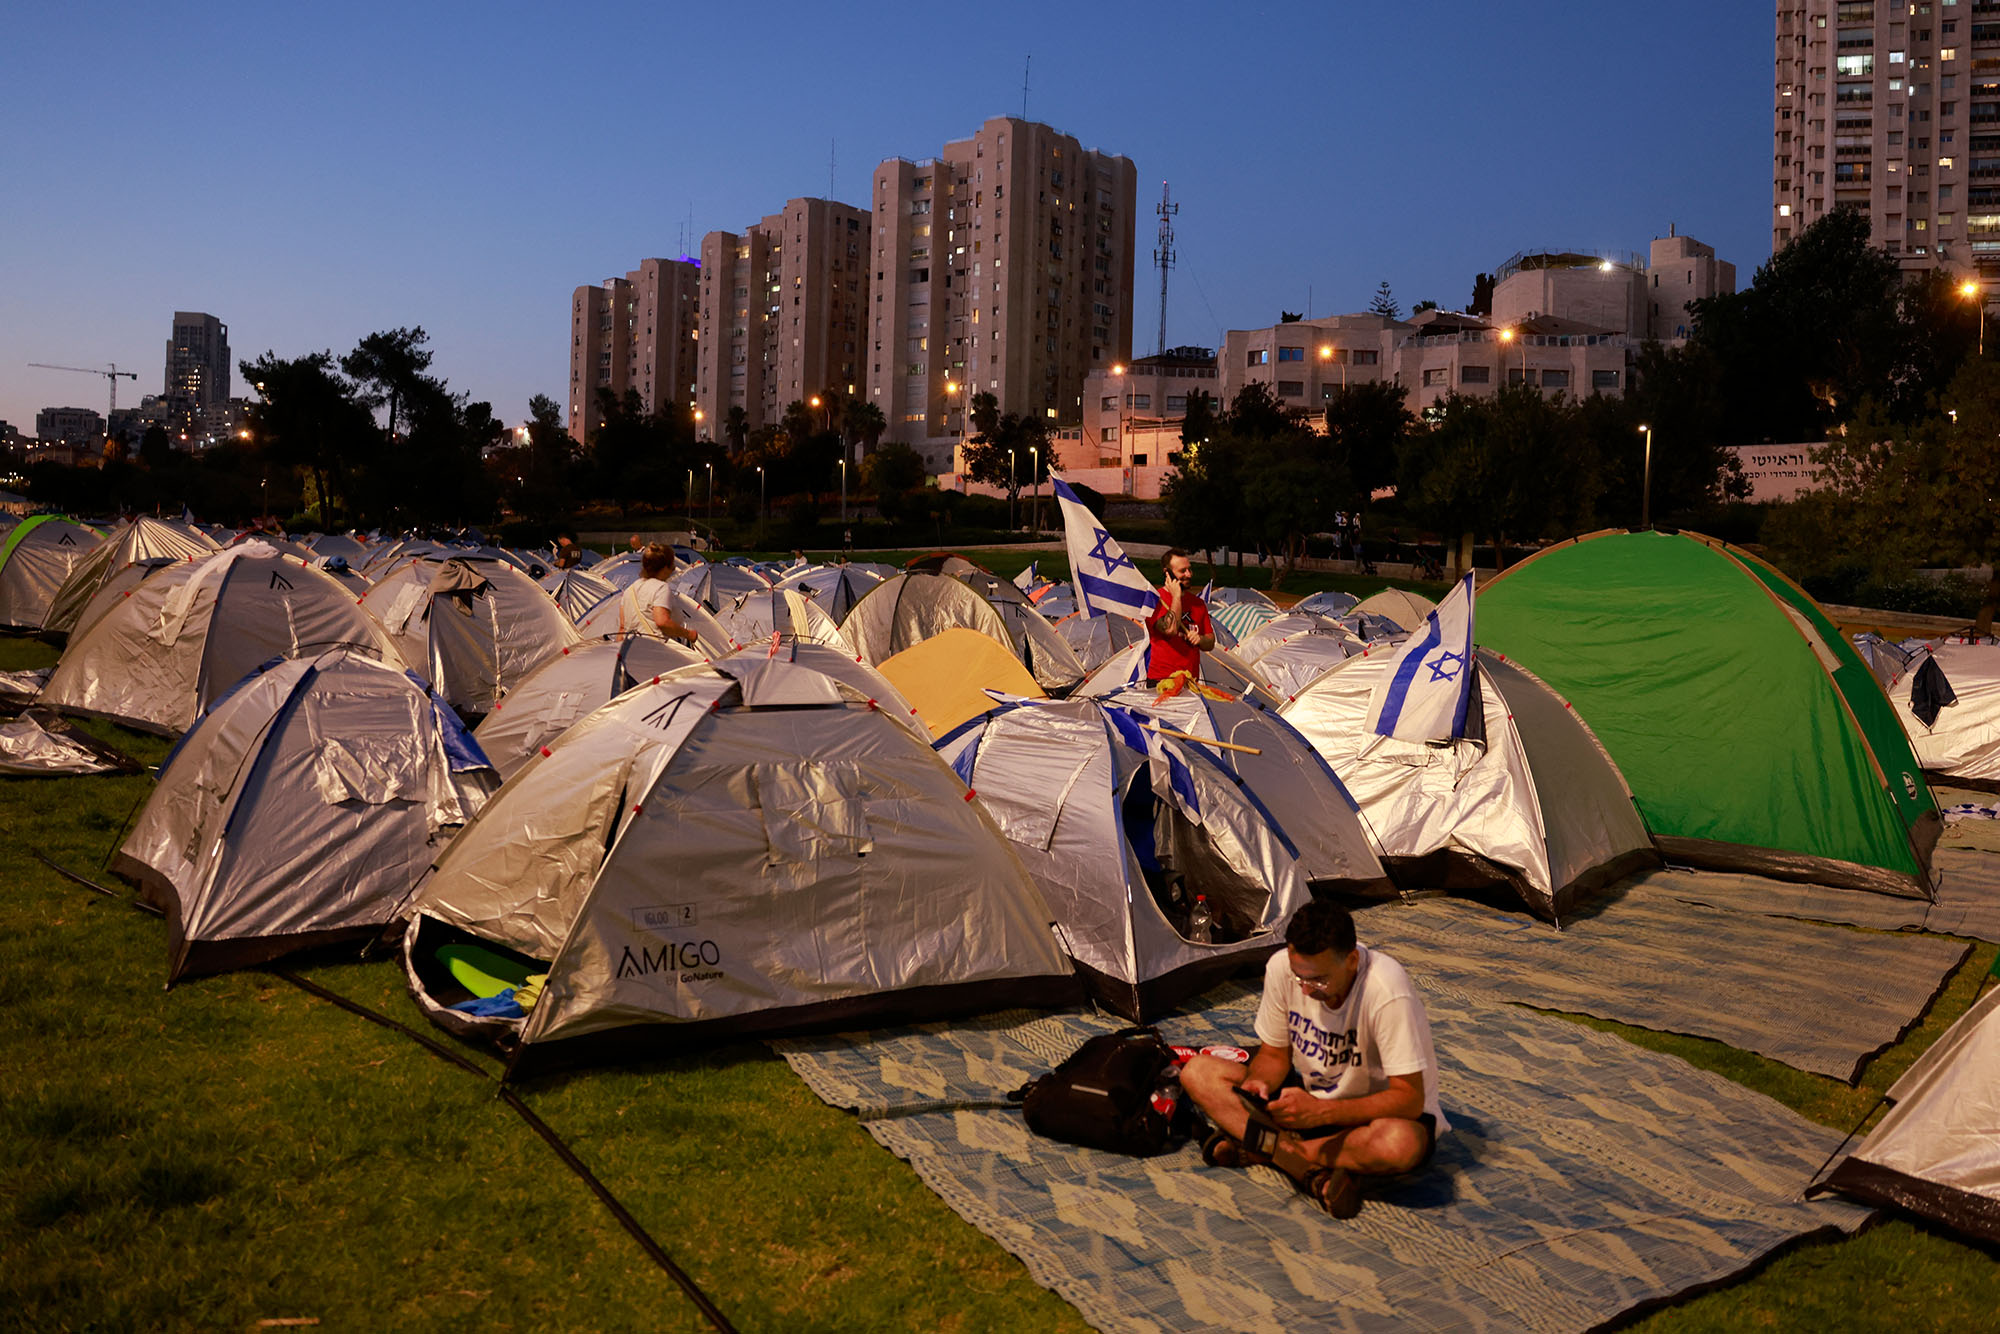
(782, 305)
(197, 380)
(633, 333)
(1891, 108)
(1002, 266)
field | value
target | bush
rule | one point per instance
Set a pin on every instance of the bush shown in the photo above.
(980, 512)
(1915, 594)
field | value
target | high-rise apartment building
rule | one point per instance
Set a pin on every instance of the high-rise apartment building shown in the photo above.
(197, 380)
(782, 305)
(636, 333)
(1891, 108)
(1002, 266)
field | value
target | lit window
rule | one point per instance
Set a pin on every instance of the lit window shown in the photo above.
(1259, 356)
(1944, 162)
(1947, 53)
(1784, 210)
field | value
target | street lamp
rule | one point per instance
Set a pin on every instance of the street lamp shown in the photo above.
(1124, 445)
(1012, 487)
(1513, 336)
(1035, 481)
(760, 493)
(698, 414)
(1646, 493)
(1969, 290)
(843, 489)
(711, 498)
(1326, 355)
(690, 495)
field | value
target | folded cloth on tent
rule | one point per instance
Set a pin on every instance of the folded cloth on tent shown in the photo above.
(1583, 1177)
(1820, 998)
(42, 744)
(1970, 811)
(18, 689)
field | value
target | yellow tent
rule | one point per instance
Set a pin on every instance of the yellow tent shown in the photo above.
(946, 677)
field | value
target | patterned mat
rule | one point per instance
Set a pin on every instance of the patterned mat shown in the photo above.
(1584, 1177)
(1820, 998)
(1968, 900)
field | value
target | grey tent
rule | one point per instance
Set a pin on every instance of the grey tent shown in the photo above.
(1937, 1152)
(577, 681)
(349, 547)
(1279, 769)
(1402, 607)
(1528, 800)
(743, 848)
(912, 607)
(1290, 653)
(836, 588)
(1122, 828)
(1220, 670)
(301, 811)
(576, 590)
(472, 626)
(143, 540)
(1327, 603)
(844, 667)
(753, 618)
(1093, 639)
(717, 585)
(36, 555)
(155, 660)
(602, 621)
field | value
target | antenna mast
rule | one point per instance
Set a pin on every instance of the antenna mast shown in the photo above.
(1025, 65)
(1164, 256)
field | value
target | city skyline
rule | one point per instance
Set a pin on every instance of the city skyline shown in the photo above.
(392, 170)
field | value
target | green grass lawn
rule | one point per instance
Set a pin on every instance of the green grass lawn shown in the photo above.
(235, 1150)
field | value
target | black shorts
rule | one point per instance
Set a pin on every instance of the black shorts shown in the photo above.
(1424, 1119)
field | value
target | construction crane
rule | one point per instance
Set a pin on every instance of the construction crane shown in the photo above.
(111, 376)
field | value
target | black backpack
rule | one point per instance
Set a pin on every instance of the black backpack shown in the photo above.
(1118, 1091)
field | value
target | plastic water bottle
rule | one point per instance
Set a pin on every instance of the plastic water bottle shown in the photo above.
(1199, 921)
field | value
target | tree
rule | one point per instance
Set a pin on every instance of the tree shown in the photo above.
(1384, 303)
(1257, 475)
(1482, 296)
(1289, 317)
(1365, 425)
(549, 468)
(388, 367)
(309, 418)
(736, 429)
(892, 472)
(1199, 422)
(862, 421)
(1008, 449)
(1423, 306)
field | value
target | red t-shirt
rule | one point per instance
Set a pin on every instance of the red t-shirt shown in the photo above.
(1167, 654)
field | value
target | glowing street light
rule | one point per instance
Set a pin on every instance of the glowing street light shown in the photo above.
(1514, 336)
(1124, 446)
(1970, 290)
(1035, 478)
(711, 495)
(760, 493)
(1326, 355)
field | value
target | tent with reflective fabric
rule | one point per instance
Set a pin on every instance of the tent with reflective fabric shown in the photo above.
(576, 590)
(1220, 670)
(301, 810)
(188, 632)
(1937, 1152)
(140, 541)
(741, 849)
(1754, 737)
(472, 625)
(753, 618)
(605, 620)
(1526, 801)
(36, 555)
(1122, 827)
(578, 680)
(1950, 710)
(1278, 767)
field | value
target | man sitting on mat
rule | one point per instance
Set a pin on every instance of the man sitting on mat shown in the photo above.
(1344, 1083)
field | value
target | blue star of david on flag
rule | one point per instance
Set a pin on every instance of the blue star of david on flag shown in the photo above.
(1106, 580)
(1426, 693)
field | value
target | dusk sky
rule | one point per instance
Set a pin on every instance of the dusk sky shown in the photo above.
(309, 174)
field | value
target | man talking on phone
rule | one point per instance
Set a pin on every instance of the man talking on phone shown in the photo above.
(1179, 629)
(1344, 1083)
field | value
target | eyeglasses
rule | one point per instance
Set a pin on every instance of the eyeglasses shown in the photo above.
(1314, 984)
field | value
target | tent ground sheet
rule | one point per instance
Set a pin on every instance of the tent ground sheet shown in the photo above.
(1968, 897)
(1819, 998)
(1583, 1177)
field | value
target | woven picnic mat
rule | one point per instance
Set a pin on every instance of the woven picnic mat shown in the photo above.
(1583, 1177)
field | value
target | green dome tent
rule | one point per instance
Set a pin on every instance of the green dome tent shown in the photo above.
(1753, 736)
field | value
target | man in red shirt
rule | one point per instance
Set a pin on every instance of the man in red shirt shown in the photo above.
(1179, 628)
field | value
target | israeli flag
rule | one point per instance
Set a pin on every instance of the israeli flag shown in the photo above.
(1025, 580)
(1430, 680)
(1106, 580)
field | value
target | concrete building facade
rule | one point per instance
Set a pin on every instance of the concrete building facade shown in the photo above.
(1891, 109)
(197, 377)
(1132, 414)
(782, 310)
(1644, 297)
(1305, 362)
(634, 333)
(70, 426)
(1002, 266)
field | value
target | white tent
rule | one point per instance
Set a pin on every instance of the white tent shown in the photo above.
(1961, 743)
(1095, 638)
(576, 590)
(753, 618)
(142, 540)
(742, 848)
(1122, 828)
(1528, 799)
(471, 625)
(301, 811)
(1220, 670)
(602, 621)
(1294, 650)
(576, 681)
(1937, 1152)
(157, 659)
(36, 556)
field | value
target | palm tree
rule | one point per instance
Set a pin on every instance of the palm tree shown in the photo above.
(863, 421)
(736, 429)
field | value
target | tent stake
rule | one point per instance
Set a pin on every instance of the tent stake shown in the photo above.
(1201, 740)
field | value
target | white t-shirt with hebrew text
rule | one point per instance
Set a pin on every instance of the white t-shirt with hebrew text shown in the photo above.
(1379, 1030)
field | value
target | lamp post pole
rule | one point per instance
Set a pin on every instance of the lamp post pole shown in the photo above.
(843, 485)
(1646, 491)
(1124, 445)
(1035, 482)
(690, 494)
(1012, 485)
(760, 493)
(1974, 292)
(711, 496)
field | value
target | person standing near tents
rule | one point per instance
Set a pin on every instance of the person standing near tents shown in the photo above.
(1178, 629)
(568, 554)
(1345, 1078)
(646, 607)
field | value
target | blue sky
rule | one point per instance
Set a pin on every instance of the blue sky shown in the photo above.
(310, 174)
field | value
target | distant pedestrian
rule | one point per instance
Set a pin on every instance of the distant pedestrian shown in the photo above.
(635, 543)
(846, 540)
(568, 553)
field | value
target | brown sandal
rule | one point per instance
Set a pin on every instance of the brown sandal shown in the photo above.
(1219, 1150)
(1333, 1189)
